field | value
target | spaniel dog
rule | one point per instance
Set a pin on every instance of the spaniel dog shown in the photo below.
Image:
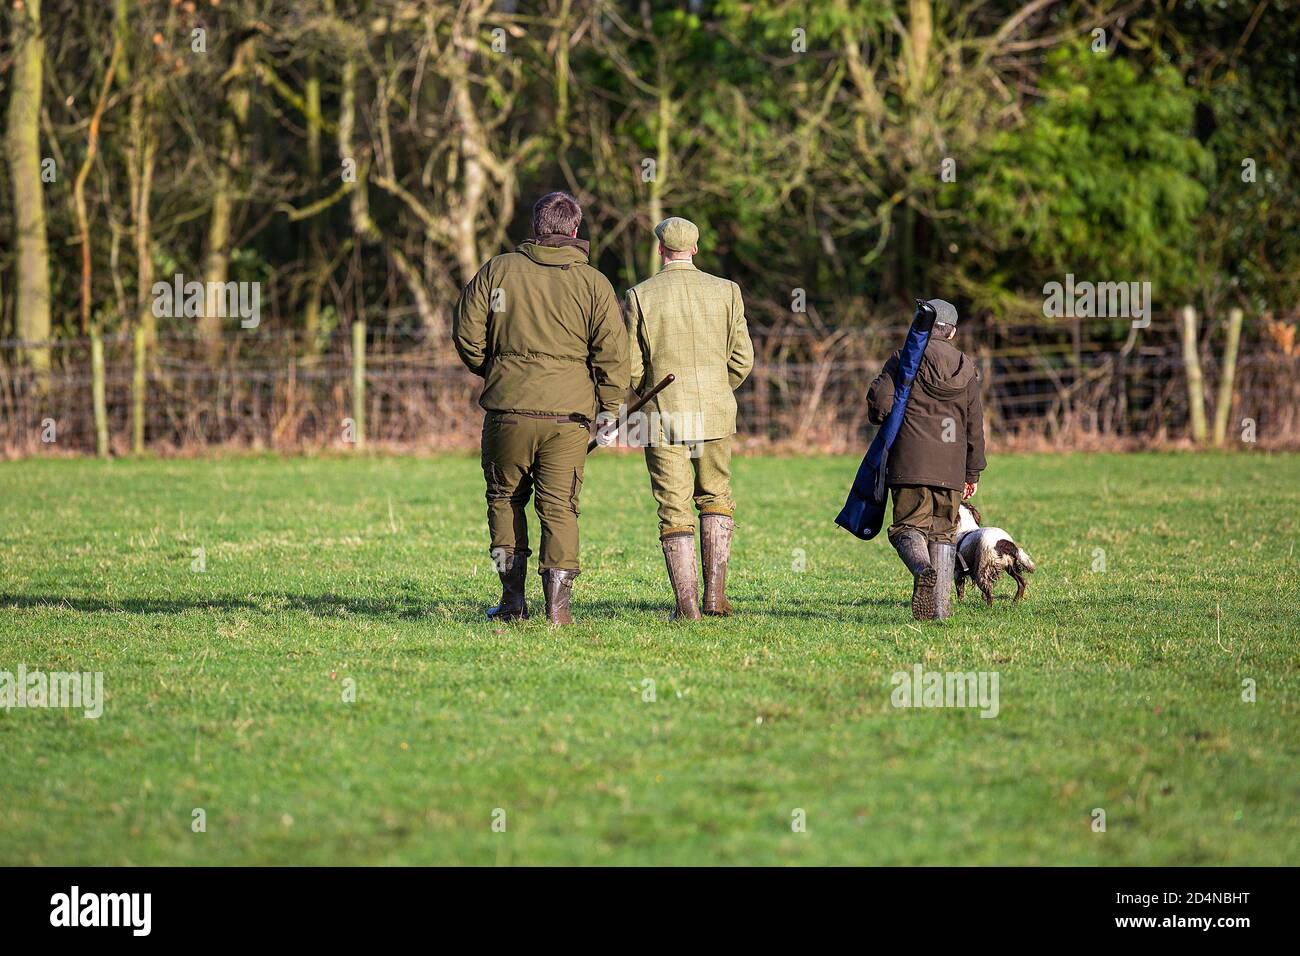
(984, 553)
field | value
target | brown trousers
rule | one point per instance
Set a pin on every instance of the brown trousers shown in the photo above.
(534, 458)
(935, 512)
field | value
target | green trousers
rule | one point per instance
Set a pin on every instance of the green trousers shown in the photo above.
(540, 458)
(677, 477)
(932, 511)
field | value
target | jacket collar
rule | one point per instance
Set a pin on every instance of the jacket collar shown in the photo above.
(559, 241)
(556, 250)
(678, 265)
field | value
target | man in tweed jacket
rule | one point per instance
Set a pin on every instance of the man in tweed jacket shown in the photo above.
(690, 324)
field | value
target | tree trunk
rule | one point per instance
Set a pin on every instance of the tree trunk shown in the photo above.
(362, 225)
(141, 154)
(141, 160)
(662, 147)
(920, 30)
(562, 78)
(144, 225)
(464, 214)
(216, 264)
(79, 187)
(315, 255)
(22, 140)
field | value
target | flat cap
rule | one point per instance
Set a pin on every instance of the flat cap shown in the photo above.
(944, 312)
(677, 234)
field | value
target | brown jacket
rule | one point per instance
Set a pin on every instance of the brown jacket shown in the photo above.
(545, 331)
(941, 441)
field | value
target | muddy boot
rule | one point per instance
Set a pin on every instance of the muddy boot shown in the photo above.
(912, 548)
(513, 607)
(557, 584)
(715, 548)
(942, 558)
(679, 555)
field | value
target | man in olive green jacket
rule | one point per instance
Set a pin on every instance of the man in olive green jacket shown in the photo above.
(690, 324)
(543, 329)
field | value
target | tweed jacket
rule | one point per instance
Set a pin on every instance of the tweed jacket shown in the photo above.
(692, 325)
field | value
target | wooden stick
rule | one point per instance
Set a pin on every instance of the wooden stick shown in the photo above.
(1195, 383)
(1227, 374)
(638, 405)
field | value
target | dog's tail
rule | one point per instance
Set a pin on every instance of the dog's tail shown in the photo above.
(1009, 549)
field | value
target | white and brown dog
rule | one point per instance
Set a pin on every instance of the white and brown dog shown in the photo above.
(984, 553)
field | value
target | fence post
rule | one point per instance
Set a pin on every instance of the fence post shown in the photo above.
(97, 390)
(1195, 382)
(1227, 374)
(359, 381)
(137, 394)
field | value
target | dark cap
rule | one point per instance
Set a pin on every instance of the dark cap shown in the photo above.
(944, 312)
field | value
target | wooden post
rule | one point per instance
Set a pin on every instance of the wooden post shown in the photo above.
(1195, 382)
(359, 381)
(137, 393)
(1227, 375)
(97, 389)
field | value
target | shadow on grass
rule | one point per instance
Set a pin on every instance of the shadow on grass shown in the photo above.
(840, 611)
(413, 608)
(320, 605)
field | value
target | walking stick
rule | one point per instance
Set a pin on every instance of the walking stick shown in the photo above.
(638, 405)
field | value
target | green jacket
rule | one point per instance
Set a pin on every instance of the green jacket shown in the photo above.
(941, 441)
(692, 325)
(543, 329)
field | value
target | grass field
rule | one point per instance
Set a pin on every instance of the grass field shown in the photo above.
(1120, 688)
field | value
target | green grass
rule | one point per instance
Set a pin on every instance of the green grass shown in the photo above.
(1119, 689)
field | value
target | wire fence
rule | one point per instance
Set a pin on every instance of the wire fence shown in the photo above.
(1083, 385)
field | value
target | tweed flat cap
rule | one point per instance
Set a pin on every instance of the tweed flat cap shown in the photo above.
(679, 235)
(944, 312)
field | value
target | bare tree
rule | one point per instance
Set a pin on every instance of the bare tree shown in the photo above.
(22, 141)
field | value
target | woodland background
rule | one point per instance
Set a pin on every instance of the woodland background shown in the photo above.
(361, 160)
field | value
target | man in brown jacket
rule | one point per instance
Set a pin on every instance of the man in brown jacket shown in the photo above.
(935, 462)
(545, 331)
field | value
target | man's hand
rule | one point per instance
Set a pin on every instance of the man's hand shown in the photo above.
(607, 435)
(969, 491)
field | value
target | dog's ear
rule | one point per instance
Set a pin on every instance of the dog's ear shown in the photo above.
(975, 514)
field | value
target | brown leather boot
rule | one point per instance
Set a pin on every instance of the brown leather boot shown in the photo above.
(715, 548)
(557, 585)
(679, 555)
(513, 606)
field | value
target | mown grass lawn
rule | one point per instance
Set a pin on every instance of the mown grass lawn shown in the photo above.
(1120, 676)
